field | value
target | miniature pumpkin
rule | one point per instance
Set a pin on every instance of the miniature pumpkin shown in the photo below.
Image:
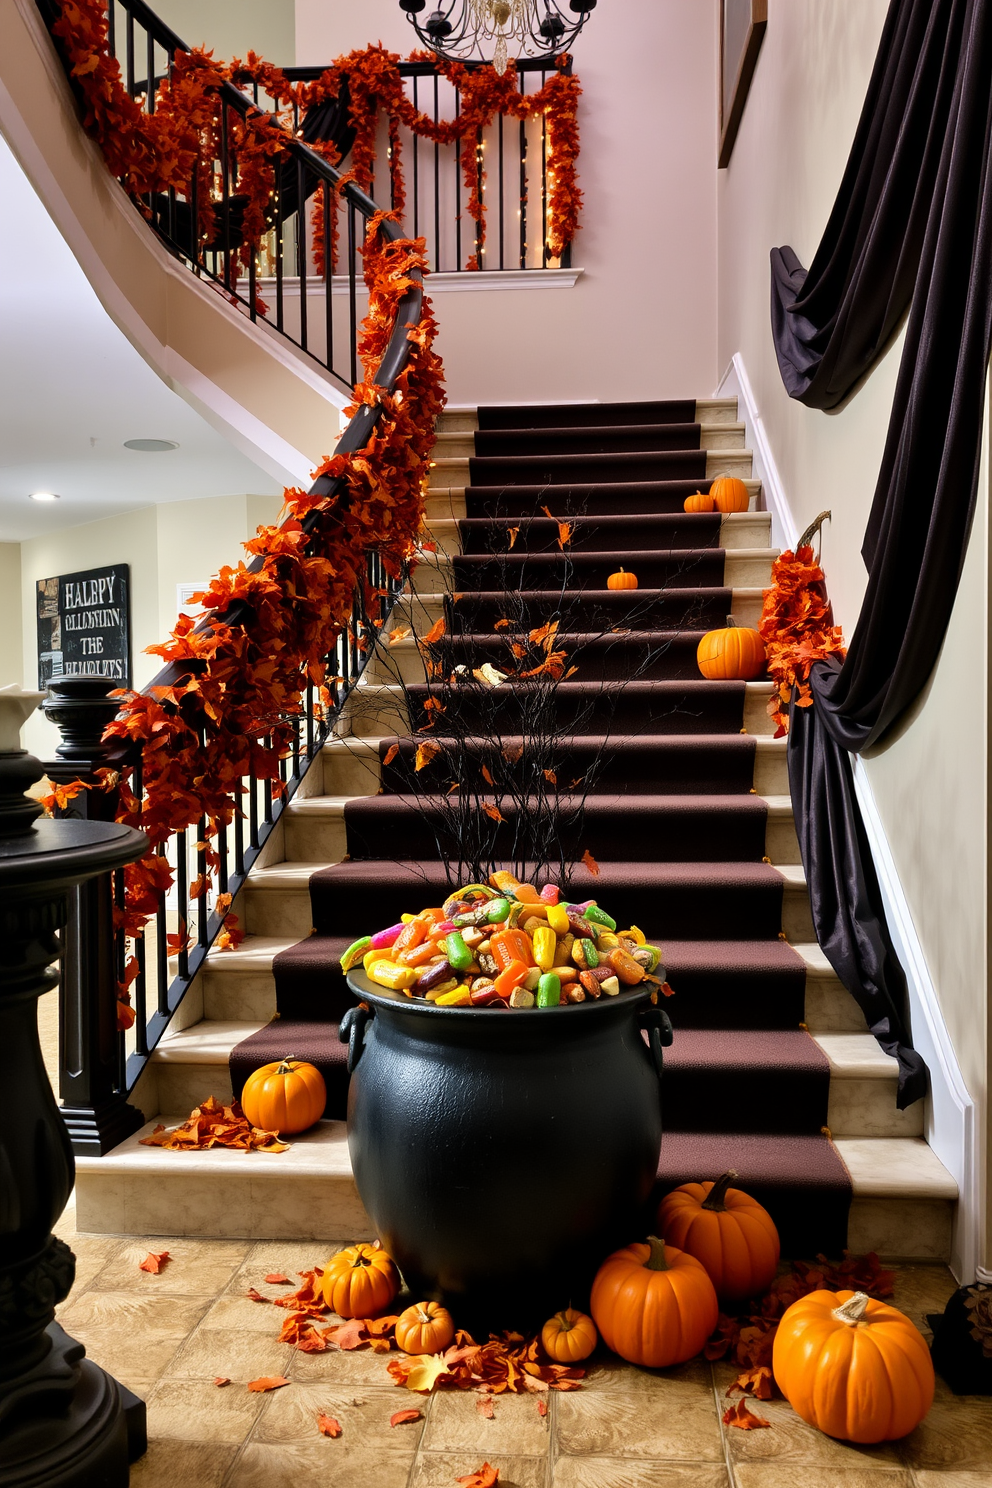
(360, 1281)
(425, 1328)
(729, 494)
(728, 1232)
(736, 652)
(622, 580)
(654, 1305)
(569, 1336)
(698, 503)
(288, 1096)
(855, 1368)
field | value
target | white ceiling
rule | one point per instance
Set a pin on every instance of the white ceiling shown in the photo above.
(73, 388)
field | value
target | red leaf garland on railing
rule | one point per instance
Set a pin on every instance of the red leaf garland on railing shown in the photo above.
(797, 628)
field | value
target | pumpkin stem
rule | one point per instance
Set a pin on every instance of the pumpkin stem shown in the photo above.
(718, 1193)
(806, 539)
(731, 622)
(286, 1067)
(423, 1316)
(656, 1260)
(852, 1311)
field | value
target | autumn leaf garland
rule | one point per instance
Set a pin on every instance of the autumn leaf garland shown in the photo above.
(797, 628)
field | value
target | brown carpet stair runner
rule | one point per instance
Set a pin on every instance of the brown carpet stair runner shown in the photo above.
(671, 818)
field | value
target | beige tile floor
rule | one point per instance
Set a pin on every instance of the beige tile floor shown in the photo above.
(169, 1336)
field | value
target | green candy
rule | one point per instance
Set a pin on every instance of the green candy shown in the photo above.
(458, 954)
(549, 990)
(497, 911)
(655, 956)
(355, 952)
(597, 916)
(590, 952)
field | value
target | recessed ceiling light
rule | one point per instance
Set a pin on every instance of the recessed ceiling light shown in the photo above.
(150, 446)
(45, 496)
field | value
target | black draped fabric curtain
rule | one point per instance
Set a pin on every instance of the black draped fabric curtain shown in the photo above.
(911, 230)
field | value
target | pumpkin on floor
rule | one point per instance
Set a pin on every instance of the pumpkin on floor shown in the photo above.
(728, 1232)
(569, 1336)
(729, 494)
(855, 1368)
(622, 580)
(735, 652)
(287, 1097)
(653, 1305)
(699, 502)
(425, 1328)
(360, 1281)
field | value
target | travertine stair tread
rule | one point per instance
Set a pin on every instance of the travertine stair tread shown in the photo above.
(255, 954)
(857, 1056)
(207, 1042)
(286, 875)
(895, 1168)
(445, 438)
(717, 460)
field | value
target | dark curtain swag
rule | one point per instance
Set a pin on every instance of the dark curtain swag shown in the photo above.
(911, 230)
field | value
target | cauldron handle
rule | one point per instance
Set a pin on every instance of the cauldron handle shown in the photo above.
(351, 1031)
(659, 1030)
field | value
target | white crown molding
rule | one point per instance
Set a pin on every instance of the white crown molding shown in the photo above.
(735, 380)
(468, 282)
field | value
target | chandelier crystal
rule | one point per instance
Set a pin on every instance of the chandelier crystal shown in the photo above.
(493, 30)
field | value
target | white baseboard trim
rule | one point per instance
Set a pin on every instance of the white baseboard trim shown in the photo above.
(735, 381)
(466, 281)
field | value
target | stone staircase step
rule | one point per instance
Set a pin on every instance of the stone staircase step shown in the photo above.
(743, 568)
(240, 984)
(276, 900)
(903, 1204)
(444, 500)
(453, 444)
(447, 470)
(750, 529)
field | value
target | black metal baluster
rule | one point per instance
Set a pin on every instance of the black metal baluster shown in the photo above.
(523, 188)
(309, 718)
(201, 873)
(330, 206)
(150, 91)
(544, 184)
(182, 902)
(252, 809)
(352, 293)
(129, 35)
(301, 248)
(162, 951)
(416, 173)
(267, 788)
(437, 187)
(140, 1029)
(502, 201)
(225, 194)
(458, 187)
(239, 837)
(479, 250)
(111, 29)
(279, 252)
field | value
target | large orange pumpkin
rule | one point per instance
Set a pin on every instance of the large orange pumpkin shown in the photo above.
(360, 1281)
(855, 1368)
(288, 1096)
(736, 652)
(654, 1305)
(729, 494)
(622, 580)
(698, 502)
(569, 1336)
(425, 1328)
(728, 1232)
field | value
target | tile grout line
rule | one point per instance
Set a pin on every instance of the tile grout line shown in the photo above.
(724, 1439)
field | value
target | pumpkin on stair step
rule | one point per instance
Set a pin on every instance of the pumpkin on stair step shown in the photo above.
(622, 580)
(733, 653)
(729, 494)
(287, 1097)
(728, 1232)
(698, 502)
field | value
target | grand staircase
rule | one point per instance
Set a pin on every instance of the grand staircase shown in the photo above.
(772, 1070)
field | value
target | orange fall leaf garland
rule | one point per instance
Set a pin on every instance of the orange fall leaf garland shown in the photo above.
(797, 630)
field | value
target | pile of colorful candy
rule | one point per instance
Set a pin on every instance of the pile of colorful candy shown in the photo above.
(507, 945)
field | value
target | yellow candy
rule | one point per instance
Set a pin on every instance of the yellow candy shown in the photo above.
(458, 997)
(545, 946)
(390, 974)
(371, 957)
(633, 934)
(405, 919)
(558, 919)
(607, 941)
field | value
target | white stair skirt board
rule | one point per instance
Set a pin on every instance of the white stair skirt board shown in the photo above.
(735, 380)
(464, 281)
(950, 1115)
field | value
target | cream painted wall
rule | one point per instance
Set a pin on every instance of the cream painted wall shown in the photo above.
(176, 542)
(232, 28)
(10, 614)
(930, 783)
(641, 322)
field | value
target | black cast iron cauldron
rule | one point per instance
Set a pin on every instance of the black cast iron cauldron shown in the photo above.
(501, 1155)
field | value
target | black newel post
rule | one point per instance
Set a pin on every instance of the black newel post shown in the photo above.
(64, 1422)
(96, 1114)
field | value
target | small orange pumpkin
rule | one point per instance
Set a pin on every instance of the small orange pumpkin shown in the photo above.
(736, 652)
(654, 1305)
(852, 1367)
(288, 1096)
(729, 494)
(728, 1232)
(360, 1281)
(569, 1336)
(622, 580)
(425, 1328)
(698, 503)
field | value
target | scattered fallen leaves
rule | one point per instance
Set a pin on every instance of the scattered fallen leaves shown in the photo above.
(509, 1362)
(255, 1296)
(757, 1382)
(276, 1278)
(542, 1407)
(512, 534)
(221, 1380)
(154, 1261)
(435, 633)
(550, 777)
(590, 863)
(502, 623)
(400, 1418)
(565, 530)
(400, 634)
(390, 754)
(512, 753)
(212, 1124)
(494, 813)
(739, 1415)
(328, 1426)
(267, 1382)
(487, 777)
(485, 1407)
(349, 1335)
(418, 1372)
(483, 1477)
(425, 753)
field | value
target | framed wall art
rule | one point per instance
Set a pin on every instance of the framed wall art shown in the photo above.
(742, 30)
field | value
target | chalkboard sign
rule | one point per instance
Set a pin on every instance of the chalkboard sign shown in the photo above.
(84, 625)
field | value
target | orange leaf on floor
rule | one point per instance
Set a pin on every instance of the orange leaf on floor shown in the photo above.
(418, 1372)
(542, 1407)
(400, 634)
(400, 1418)
(254, 1296)
(435, 633)
(211, 1124)
(425, 753)
(494, 813)
(739, 1415)
(756, 1382)
(590, 863)
(512, 533)
(349, 1335)
(154, 1261)
(328, 1426)
(487, 777)
(221, 1379)
(485, 1407)
(276, 1278)
(267, 1382)
(483, 1477)
(390, 754)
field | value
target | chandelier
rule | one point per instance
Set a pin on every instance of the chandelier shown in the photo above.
(467, 28)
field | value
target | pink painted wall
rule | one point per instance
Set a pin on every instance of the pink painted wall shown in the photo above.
(641, 320)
